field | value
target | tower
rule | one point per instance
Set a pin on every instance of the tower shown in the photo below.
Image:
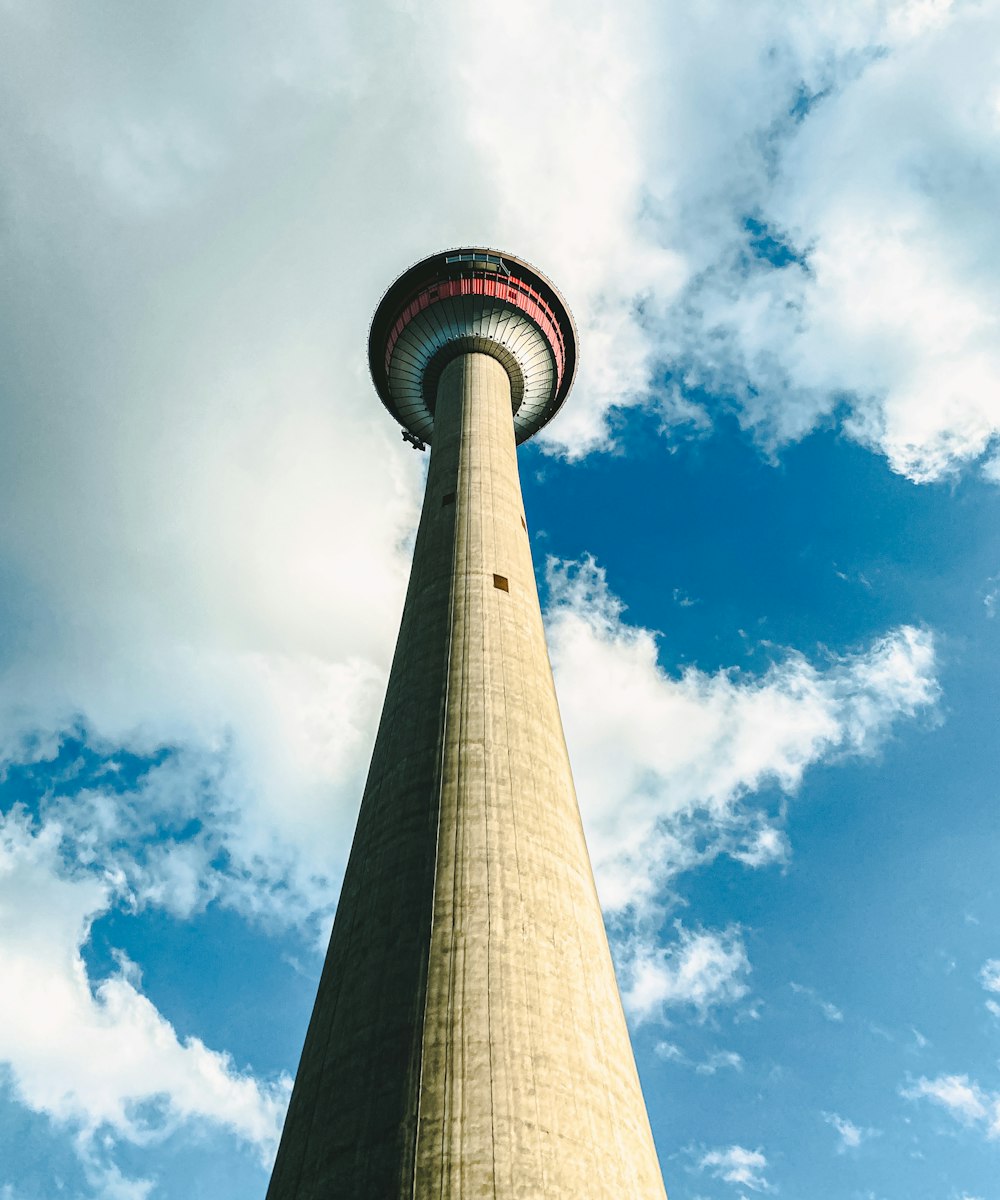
(467, 1040)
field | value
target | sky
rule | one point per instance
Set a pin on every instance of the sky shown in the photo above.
(764, 529)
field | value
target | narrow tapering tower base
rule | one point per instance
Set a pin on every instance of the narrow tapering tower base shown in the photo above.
(468, 1041)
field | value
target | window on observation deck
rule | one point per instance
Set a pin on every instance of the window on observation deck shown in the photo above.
(484, 262)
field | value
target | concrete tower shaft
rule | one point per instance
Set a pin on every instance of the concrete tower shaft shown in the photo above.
(468, 1040)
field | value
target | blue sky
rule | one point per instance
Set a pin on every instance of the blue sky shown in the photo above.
(764, 526)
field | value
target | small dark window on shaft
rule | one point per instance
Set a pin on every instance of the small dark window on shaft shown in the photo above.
(500, 581)
(449, 499)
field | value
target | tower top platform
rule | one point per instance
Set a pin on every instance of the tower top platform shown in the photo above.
(472, 300)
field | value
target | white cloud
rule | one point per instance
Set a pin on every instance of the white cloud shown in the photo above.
(738, 1166)
(765, 845)
(851, 1135)
(665, 764)
(96, 1055)
(989, 976)
(881, 188)
(204, 545)
(700, 969)
(963, 1098)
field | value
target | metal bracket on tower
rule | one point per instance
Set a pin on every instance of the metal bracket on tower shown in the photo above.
(414, 441)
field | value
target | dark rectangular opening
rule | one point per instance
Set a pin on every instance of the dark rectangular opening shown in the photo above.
(524, 525)
(449, 499)
(500, 581)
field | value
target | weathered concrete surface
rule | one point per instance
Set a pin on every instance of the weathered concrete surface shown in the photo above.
(468, 1039)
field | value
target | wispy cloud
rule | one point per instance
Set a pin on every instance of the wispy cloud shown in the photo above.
(718, 1060)
(721, 1060)
(963, 1098)
(737, 1165)
(851, 1136)
(667, 767)
(989, 977)
(829, 1010)
(666, 764)
(669, 1052)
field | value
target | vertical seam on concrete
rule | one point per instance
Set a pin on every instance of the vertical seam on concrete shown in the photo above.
(454, 514)
(521, 656)
(463, 487)
(470, 440)
(518, 657)
(487, 405)
(473, 388)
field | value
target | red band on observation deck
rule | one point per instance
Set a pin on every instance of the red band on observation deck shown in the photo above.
(509, 289)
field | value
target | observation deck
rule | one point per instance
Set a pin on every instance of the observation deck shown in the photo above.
(472, 300)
